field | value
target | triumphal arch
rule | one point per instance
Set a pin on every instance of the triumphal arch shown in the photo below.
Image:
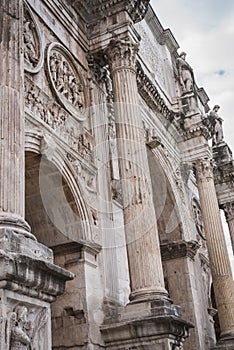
(113, 172)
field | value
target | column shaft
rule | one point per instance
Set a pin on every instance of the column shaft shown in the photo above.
(217, 249)
(11, 115)
(142, 239)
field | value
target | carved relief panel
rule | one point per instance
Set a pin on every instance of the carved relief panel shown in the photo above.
(33, 51)
(197, 215)
(66, 82)
(27, 326)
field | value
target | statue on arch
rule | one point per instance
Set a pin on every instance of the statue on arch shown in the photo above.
(185, 74)
(216, 125)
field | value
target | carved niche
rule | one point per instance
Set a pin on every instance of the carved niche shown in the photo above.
(33, 51)
(66, 81)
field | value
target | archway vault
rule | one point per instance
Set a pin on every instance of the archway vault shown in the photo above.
(55, 207)
(166, 196)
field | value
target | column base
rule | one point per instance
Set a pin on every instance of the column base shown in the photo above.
(17, 224)
(155, 324)
(148, 294)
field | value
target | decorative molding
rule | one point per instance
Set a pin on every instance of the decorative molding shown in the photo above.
(66, 81)
(16, 268)
(164, 36)
(33, 49)
(135, 9)
(179, 249)
(151, 95)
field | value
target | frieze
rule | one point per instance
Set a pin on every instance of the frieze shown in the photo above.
(33, 50)
(66, 81)
(179, 249)
(40, 106)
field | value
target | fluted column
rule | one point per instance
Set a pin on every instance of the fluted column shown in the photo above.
(12, 117)
(229, 214)
(142, 239)
(216, 245)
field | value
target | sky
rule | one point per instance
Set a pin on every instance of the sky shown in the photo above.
(204, 29)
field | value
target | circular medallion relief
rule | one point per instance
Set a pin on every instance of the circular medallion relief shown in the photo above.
(33, 51)
(67, 83)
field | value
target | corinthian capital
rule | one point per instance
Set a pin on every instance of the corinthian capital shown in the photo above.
(122, 54)
(204, 169)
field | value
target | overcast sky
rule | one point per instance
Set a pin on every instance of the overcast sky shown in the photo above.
(204, 29)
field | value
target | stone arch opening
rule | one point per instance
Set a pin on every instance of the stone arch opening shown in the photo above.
(50, 207)
(166, 208)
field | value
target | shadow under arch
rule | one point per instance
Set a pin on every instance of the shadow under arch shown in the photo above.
(165, 199)
(55, 208)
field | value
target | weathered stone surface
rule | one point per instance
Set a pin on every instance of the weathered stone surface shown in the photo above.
(113, 127)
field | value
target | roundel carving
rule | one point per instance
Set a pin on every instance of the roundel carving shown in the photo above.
(33, 50)
(66, 81)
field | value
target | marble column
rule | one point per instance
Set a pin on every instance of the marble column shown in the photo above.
(12, 117)
(216, 245)
(229, 214)
(142, 239)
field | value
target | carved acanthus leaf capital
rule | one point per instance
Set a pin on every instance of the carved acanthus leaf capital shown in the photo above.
(122, 54)
(204, 169)
(228, 210)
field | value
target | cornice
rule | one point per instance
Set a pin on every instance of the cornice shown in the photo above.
(164, 36)
(151, 95)
(94, 9)
(179, 249)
